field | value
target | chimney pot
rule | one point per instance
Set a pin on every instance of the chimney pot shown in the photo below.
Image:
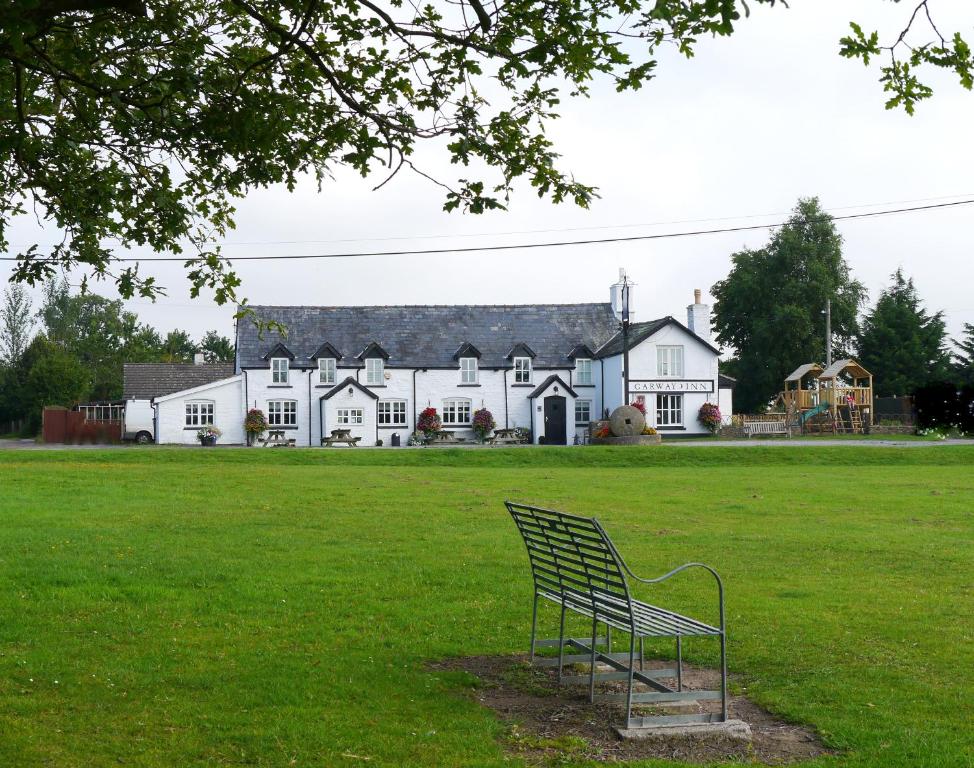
(198, 358)
(696, 295)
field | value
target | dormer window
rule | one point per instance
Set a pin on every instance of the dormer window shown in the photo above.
(279, 370)
(327, 370)
(583, 371)
(522, 370)
(375, 371)
(468, 370)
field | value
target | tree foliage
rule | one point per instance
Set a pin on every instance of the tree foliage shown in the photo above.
(47, 374)
(178, 347)
(100, 332)
(964, 357)
(769, 309)
(16, 324)
(901, 345)
(217, 348)
(139, 122)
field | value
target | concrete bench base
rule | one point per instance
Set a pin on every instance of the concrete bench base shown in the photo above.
(731, 729)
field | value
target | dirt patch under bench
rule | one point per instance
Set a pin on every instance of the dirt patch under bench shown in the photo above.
(547, 722)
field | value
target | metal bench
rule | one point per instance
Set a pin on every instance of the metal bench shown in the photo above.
(576, 566)
(776, 427)
(340, 436)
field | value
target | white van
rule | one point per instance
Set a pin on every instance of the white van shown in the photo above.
(138, 422)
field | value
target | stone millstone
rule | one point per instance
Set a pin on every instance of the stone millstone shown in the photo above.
(627, 421)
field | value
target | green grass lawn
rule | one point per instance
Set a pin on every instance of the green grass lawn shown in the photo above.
(167, 607)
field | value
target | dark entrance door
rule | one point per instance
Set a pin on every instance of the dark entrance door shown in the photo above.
(554, 420)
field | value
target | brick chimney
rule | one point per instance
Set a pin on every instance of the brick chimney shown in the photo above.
(698, 317)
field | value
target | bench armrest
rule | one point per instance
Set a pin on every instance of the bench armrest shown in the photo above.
(685, 566)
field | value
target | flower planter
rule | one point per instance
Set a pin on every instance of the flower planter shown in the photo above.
(208, 442)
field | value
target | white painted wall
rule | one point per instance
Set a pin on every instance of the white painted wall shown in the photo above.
(260, 390)
(725, 402)
(228, 412)
(699, 362)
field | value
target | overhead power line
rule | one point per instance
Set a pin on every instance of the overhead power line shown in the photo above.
(525, 246)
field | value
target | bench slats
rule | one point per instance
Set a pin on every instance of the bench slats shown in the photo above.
(575, 564)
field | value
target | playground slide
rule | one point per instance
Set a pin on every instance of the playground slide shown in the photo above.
(811, 412)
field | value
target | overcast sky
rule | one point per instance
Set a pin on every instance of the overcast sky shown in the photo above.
(742, 130)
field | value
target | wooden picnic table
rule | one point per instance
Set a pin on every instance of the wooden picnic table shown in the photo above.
(505, 437)
(444, 436)
(275, 439)
(340, 436)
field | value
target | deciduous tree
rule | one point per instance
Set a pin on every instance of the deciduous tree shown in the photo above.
(139, 122)
(769, 309)
(216, 348)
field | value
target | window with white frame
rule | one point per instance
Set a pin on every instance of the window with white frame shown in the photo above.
(350, 416)
(282, 413)
(392, 413)
(669, 361)
(279, 366)
(199, 414)
(522, 370)
(583, 411)
(669, 410)
(375, 368)
(327, 370)
(468, 370)
(583, 371)
(456, 411)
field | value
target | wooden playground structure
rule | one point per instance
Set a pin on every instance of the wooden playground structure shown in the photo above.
(837, 399)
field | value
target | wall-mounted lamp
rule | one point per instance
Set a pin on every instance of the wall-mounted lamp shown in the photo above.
(556, 389)
(351, 391)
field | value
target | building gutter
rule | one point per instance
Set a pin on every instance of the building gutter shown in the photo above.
(310, 371)
(506, 425)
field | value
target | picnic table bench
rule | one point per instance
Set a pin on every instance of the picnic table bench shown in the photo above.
(443, 436)
(766, 427)
(275, 439)
(505, 437)
(577, 567)
(340, 436)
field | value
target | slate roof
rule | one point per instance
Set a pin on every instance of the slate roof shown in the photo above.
(552, 379)
(428, 336)
(639, 332)
(144, 381)
(726, 382)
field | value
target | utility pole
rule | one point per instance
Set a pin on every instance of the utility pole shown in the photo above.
(828, 333)
(625, 339)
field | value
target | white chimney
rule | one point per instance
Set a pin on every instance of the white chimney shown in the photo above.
(616, 295)
(698, 317)
(198, 358)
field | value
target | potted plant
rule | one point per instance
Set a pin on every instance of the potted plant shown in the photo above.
(483, 423)
(207, 435)
(255, 424)
(429, 423)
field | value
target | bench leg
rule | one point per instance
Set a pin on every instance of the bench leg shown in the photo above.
(534, 625)
(608, 639)
(723, 674)
(632, 668)
(561, 644)
(591, 672)
(642, 657)
(679, 663)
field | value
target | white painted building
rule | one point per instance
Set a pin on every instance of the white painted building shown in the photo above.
(551, 368)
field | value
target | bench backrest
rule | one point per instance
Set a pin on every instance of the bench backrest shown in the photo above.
(572, 558)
